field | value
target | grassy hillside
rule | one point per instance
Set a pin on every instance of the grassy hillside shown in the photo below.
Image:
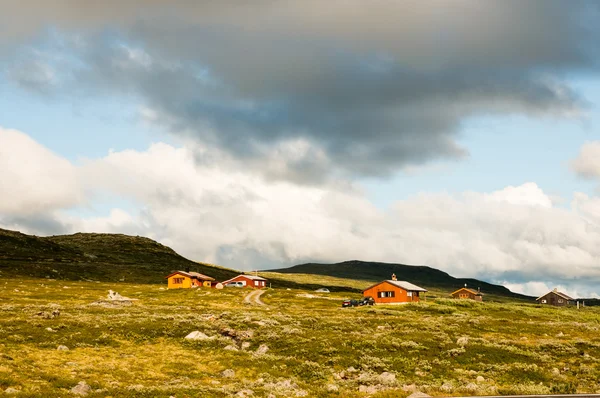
(105, 257)
(427, 277)
(299, 344)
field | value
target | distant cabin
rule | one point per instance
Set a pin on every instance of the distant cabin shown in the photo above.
(186, 280)
(248, 281)
(465, 293)
(393, 291)
(555, 298)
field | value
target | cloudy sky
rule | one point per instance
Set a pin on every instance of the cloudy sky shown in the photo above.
(459, 134)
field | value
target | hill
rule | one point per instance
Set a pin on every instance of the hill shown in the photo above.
(105, 257)
(427, 277)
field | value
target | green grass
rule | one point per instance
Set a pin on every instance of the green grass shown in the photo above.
(439, 346)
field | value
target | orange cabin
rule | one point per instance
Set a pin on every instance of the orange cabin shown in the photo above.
(249, 281)
(393, 291)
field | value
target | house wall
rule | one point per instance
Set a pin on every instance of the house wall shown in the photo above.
(469, 295)
(400, 295)
(187, 282)
(553, 299)
(249, 282)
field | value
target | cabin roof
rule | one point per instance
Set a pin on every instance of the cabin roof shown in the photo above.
(560, 294)
(401, 284)
(468, 290)
(194, 275)
(251, 277)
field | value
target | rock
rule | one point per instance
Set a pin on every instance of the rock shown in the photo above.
(462, 341)
(447, 387)
(228, 373)
(560, 334)
(332, 388)
(480, 379)
(555, 371)
(387, 378)
(231, 347)
(262, 349)
(50, 329)
(381, 327)
(197, 335)
(351, 369)
(11, 390)
(245, 393)
(82, 388)
(524, 338)
(368, 389)
(419, 394)
(63, 348)
(471, 387)
(322, 290)
(409, 387)
(245, 345)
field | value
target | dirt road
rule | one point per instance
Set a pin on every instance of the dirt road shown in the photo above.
(254, 297)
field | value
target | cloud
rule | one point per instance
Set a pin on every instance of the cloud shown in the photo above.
(206, 211)
(353, 89)
(33, 180)
(587, 164)
(214, 211)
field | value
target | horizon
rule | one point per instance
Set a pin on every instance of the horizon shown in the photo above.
(464, 136)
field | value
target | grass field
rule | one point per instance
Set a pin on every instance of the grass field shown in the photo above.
(315, 348)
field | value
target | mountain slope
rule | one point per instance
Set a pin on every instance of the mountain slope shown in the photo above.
(107, 257)
(421, 275)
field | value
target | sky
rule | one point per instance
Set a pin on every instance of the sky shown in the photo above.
(459, 134)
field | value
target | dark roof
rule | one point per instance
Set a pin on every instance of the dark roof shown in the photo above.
(468, 290)
(401, 284)
(193, 275)
(560, 294)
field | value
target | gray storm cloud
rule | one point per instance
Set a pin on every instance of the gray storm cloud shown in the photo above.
(353, 88)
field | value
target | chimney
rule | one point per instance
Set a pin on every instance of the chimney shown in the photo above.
(555, 289)
(394, 277)
(478, 290)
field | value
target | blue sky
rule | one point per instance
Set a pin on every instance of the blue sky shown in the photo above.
(313, 139)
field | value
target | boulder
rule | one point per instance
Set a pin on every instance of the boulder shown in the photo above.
(387, 378)
(197, 335)
(231, 347)
(10, 391)
(419, 394)
(262, 349)
(63, 348)
(480, 379)
(82, 389)
(228, 373)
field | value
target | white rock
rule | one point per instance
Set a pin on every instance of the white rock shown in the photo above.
(462, 341)
(228, 373)
(480, 379)
(332, 388)
(419, 394)
(82, 388)
(63, 348)
(197, 335)
(11, 390)
(245, 345)
(231, 348)
(387, 378)
(262, 349)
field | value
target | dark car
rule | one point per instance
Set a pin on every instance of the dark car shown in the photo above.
(366, 301)
(350, 303)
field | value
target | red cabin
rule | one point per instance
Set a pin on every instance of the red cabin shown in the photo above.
(248, 281)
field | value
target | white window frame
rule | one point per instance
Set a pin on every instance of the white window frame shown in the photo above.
(544, 301)
(408, 294)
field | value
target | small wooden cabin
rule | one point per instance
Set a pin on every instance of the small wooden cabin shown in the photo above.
(393, 291)
(186, 280)
(469, 294)
(555, 298)
(248, 281)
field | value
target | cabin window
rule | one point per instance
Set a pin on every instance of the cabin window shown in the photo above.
(385, 294)
(409, 294)
(544, 301)
(560, 300)
(177, 281)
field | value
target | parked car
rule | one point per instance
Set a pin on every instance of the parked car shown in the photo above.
(366, 301)
(234, 284)
(350, 303)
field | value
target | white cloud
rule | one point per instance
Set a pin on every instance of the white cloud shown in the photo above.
(34, 180)
(208, 208)
(587, 164)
